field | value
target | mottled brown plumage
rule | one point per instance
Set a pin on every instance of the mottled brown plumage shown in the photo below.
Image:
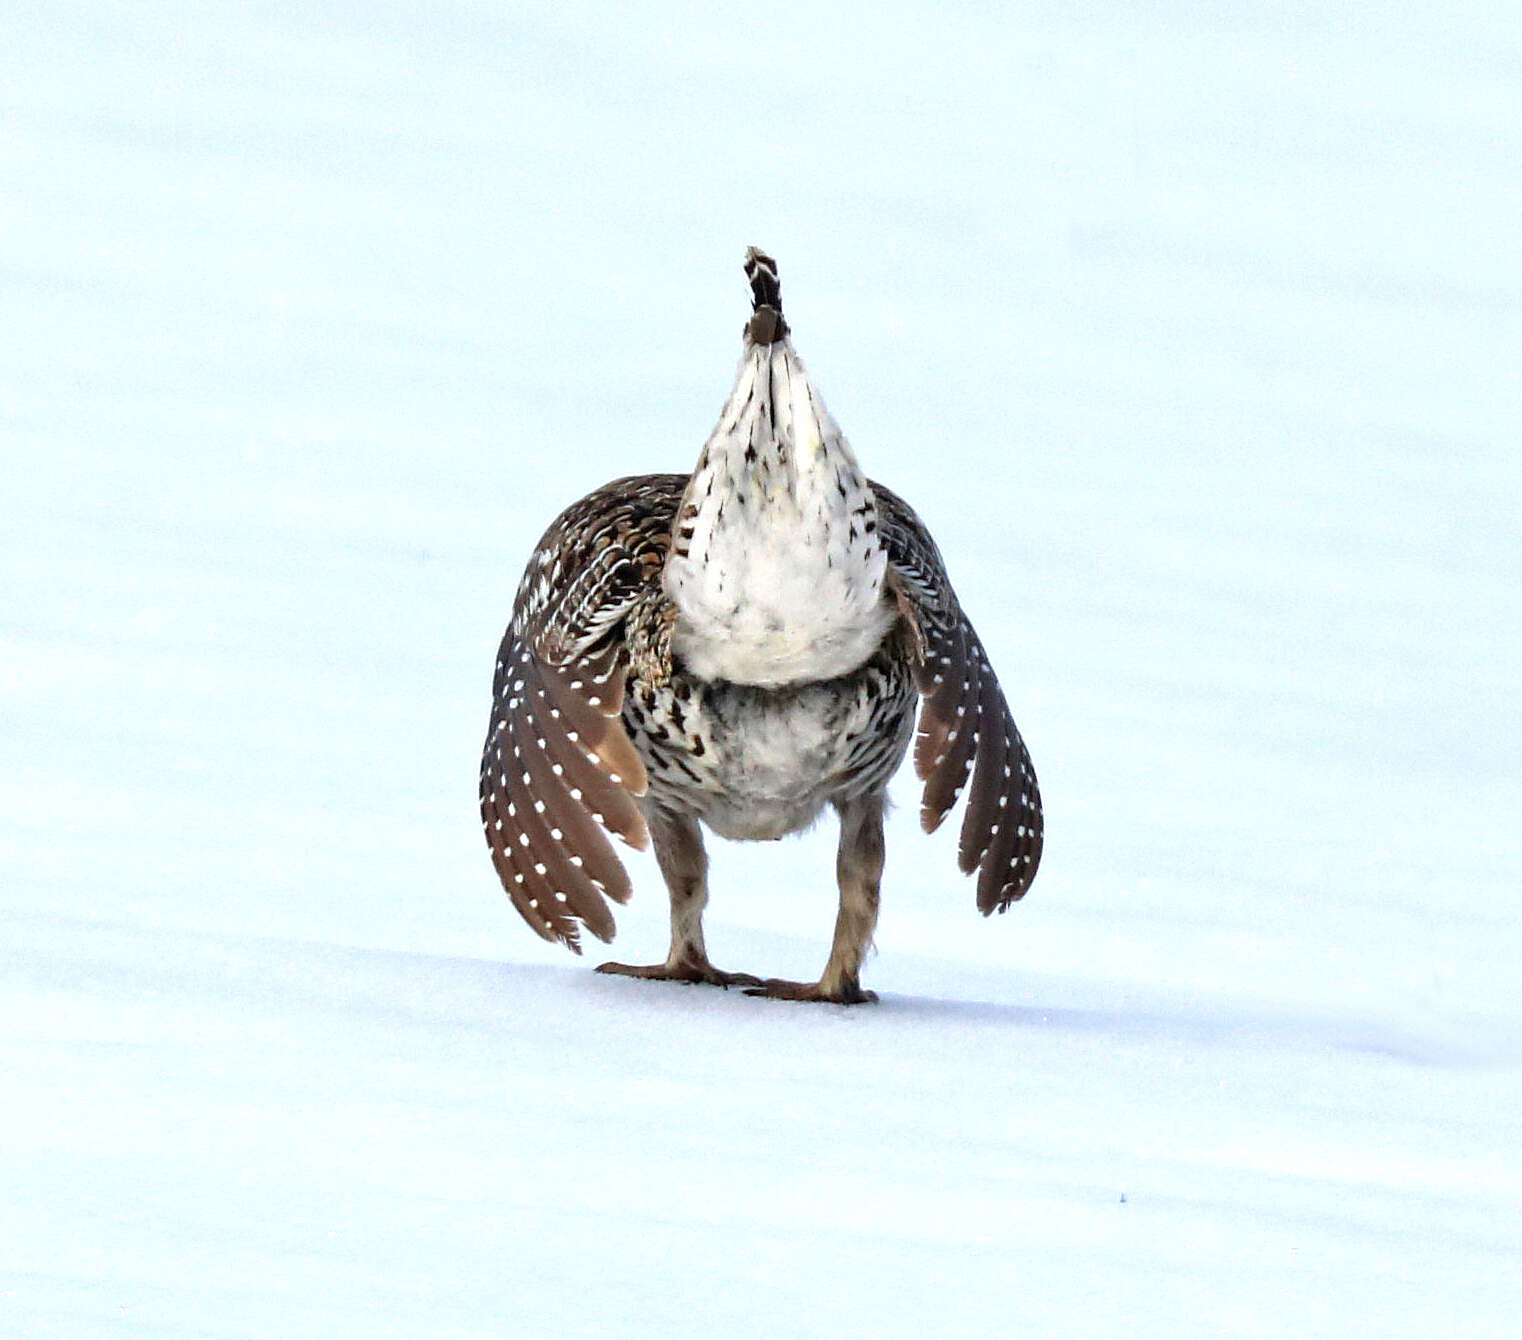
(661, 670)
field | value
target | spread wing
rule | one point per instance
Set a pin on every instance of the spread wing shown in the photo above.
(557, 756)
(965, 726)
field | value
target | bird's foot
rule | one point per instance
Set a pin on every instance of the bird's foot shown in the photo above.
(687, 970)
(847, 993)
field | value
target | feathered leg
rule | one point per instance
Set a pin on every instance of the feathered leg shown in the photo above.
(680, 855)
(859, 870)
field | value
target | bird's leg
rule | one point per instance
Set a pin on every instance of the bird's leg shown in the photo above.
(680, 855)
(859, 869)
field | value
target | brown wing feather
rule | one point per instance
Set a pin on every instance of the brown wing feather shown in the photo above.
(495, 815)
(591, 718)
(585, 774)
(945, 692)
(542, 838)
(557, 756)
(563, 811)
(965, 725)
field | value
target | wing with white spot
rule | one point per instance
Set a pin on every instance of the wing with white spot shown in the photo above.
(557, 762)
(965, 725)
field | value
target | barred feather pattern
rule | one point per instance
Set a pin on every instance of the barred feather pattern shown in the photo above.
(964, 719)
(557, 757)
(756, 762)
(559, 765)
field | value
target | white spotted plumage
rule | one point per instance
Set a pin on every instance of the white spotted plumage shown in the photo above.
(777, 570)
(743, 646)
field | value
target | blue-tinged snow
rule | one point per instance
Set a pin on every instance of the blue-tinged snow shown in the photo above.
(1191, 331)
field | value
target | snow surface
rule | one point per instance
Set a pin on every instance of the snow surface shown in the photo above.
(1192, 331)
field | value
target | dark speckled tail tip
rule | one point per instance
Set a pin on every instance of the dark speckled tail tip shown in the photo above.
(767, 325)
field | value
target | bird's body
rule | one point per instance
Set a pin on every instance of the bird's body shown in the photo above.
(742, 647)
(760, 761)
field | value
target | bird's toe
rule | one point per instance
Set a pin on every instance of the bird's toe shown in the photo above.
(847, 993)
(685, 971)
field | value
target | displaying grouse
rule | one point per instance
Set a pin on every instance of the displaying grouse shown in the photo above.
(740, 648)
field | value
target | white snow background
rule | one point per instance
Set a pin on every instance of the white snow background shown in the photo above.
(1193, 333)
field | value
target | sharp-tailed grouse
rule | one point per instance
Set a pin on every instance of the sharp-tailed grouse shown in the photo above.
(742, 647)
